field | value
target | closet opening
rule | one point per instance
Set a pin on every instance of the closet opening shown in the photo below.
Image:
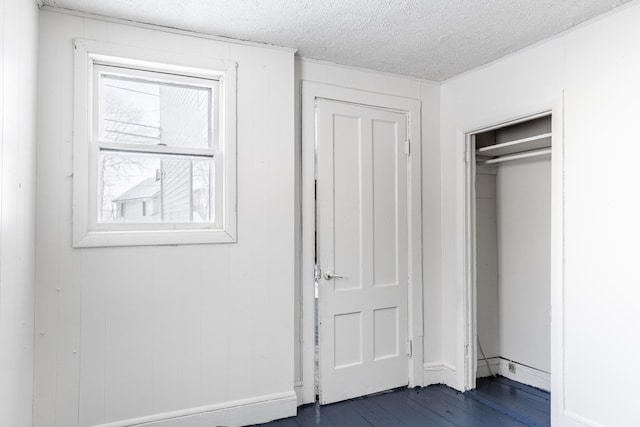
(509, 251)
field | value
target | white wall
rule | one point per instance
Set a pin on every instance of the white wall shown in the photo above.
(595, 301)
(134, 332)
(524, 242)
(429, 94)
(18, 56)
(487, 301)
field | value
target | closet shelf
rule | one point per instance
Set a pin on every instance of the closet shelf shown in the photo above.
(518, 156)
(517, 146)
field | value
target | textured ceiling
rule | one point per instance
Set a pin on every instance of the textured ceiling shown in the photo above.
(431, 39)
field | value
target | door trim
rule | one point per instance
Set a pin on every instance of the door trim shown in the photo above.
(311, 92)
(555, 109)
(470, 249)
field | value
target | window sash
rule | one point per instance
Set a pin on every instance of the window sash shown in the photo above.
(161, 77)
(97, 145)
(154, 149)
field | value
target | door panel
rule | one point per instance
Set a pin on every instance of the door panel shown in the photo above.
(346, 148)
(384, 203)
(362, 237)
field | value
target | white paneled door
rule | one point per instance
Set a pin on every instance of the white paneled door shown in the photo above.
(362, 249)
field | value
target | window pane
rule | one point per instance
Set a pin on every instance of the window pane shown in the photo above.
(154, 188)
(148, 112)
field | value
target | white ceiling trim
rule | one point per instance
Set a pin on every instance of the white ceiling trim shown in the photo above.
(366, 70)
(157, 27)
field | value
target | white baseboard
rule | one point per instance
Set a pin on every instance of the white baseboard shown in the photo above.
(482, 369)
(523, 374)
(438, 373)
(255, 410)
(572, 419)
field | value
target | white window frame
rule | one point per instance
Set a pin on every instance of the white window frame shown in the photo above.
(97, 145)
(89, 58)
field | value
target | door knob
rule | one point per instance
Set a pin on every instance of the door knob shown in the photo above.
(329, 276)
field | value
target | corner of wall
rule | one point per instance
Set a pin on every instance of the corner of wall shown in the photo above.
(18, 56)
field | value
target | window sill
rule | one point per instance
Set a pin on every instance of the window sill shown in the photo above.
(95, 239)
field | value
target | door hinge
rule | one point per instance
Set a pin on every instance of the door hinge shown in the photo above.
(407, 147)
(467, 157)
(410, 348)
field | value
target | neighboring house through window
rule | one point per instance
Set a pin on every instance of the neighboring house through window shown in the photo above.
(132, 205)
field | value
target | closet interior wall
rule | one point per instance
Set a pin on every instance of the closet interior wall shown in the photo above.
(513, 229)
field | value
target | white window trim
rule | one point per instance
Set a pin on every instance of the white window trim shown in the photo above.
(86, 233)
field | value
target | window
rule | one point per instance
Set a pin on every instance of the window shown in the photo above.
(156, 138)
(154, 148)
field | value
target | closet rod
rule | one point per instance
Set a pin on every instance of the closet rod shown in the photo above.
(524, 155)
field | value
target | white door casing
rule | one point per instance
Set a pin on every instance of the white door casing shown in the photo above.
(312, 94)
(469, 356)
(362, 249)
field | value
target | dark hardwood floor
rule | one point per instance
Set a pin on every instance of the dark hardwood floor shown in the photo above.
(496, 402)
